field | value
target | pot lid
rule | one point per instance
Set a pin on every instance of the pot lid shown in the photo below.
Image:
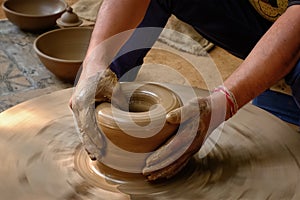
(69, 19)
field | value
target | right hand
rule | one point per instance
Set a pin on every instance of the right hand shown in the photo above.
(100, 86)
(169, 159)
(198, 119)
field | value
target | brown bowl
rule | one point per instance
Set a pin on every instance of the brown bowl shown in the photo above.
(34, 15)
(133, 134)
(62, 51)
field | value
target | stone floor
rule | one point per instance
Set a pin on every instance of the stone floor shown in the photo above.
(22, 75)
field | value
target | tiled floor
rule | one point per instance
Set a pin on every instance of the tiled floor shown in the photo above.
(22, 76)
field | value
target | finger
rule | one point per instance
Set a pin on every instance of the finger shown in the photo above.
(83, 110)
(177, 146)
(106, 81)
(174, 116)
(118, 98)
(181, 114)
(160, 160)
(185, 112)
(169, 171)
(70, 103)
(172, 169)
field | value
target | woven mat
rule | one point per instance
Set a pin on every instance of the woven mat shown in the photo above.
(88, 9)
(22, 75)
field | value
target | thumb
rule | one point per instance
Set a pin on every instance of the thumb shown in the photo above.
(182, 114)
(70, 103)
(188, 111)
(119, 98)
(174, 116)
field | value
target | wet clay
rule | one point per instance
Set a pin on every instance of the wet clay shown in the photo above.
(141, 127)
(256, 156)
(133, 133)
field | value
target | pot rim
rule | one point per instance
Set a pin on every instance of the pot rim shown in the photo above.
(6, 9)
(40, 53)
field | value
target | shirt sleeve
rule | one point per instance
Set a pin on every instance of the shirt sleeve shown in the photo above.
(293, 2)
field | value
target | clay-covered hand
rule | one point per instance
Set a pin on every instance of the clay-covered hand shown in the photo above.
(99, 87)
(168, 160)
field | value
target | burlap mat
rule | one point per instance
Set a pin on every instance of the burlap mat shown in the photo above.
(87, 10)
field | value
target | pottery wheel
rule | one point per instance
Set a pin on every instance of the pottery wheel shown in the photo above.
(256, 157)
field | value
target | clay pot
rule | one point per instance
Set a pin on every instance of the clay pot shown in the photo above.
(34, 15)
(62, 51)
(144, 127)
(131, 134)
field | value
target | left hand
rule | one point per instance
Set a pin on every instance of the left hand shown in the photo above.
(175, 154)
(100, 86)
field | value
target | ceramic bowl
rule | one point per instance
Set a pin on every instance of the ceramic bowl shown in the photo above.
(132, 134)
(62, 51)
(34, 15)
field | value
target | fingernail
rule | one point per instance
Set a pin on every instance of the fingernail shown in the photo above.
(152, 160)
(148, 170)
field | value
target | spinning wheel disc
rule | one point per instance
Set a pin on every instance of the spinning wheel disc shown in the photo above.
(257, 156)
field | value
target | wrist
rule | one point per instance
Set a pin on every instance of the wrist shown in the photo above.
(91, 67)
(229, 100)
(97, 59)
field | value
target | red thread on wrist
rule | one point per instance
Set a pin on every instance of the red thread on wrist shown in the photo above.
(229, 98)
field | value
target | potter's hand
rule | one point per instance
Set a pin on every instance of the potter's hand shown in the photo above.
(175, 154)
(99, 87)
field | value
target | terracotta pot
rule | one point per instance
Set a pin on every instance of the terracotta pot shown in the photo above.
(131, 135)
(144, 127)
(62, 51)
(34, 15)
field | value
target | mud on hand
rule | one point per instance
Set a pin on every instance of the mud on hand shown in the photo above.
(169, 159)
(99, 87)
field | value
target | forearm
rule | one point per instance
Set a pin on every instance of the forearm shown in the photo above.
(271, 59)
(114, 17)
